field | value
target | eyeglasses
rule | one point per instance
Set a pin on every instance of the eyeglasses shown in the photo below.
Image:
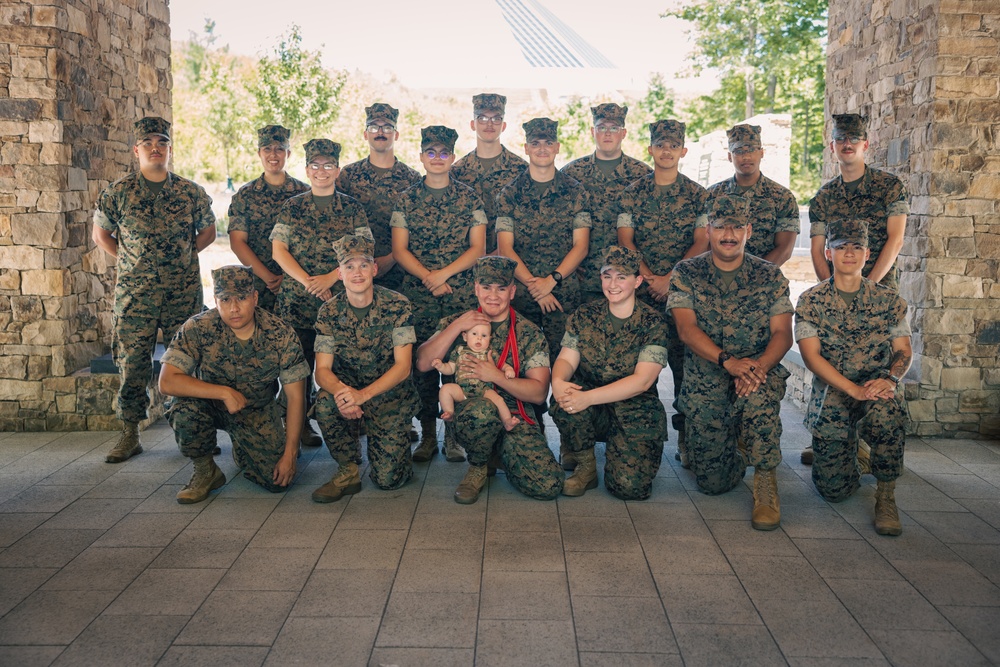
(608, 129)
(380, 129)
(852, 139)
(745, 150)
(159, 143)
(326, 166)
(492, 120)
(431, 153)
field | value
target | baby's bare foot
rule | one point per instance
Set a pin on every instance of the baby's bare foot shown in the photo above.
(511, 423)
(447, 416)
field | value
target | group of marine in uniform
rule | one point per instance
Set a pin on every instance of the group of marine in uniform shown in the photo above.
(534, 289)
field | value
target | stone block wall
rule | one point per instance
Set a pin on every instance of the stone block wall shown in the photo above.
(74, 75)
(927, 72)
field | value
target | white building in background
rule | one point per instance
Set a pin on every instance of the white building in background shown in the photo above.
(706, 161)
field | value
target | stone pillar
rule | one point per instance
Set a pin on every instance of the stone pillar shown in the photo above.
(927, 72)
(74, 75)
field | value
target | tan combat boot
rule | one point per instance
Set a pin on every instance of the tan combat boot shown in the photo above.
(428, 446)
(346, 482)
(453, 452)
(207, 477)
(470, 486)
(806, 457)
(584, 477)
(886, 514)
(309, 437)
(567, 459)
(766, 505)
(128, 444)
(682, 451)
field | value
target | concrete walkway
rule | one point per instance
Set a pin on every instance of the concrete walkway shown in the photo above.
(100, 566)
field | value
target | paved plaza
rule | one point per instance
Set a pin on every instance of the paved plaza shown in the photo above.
(100, 566)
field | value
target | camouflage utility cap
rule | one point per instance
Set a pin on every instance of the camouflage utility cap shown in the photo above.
(622, 259)
(488, 102)
(839, 232)
(609, 111)
(273, 134)
(381, 111)
(438, 134)
(233, 281)
(541, 128)
(151, 125)
(850, 125)
(495, 270)
(322, 148)
(666, 130)
(744, 136)
(729, 210)
(353, 246)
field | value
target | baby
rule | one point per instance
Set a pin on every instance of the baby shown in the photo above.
(478, 340)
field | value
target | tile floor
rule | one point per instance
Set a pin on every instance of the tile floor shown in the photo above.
(100, 566)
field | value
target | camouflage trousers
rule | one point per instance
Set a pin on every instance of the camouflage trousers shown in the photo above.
(553, 325)
(634, 431)
(530, 466)
(841, 422)
(675, 355)
(717, 417)
(133, 341)
(257, 434)
(387, 420)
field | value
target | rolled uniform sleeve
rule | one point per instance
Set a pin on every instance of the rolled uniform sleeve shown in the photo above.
(398, 219)
(582, 220)
(681, 294)
(292, 363)
(184, 351)
(896, 199)
(403, 332)
(787, 214)
(656, 354)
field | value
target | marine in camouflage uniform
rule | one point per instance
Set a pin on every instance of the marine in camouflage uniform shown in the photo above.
(363, 358)
(663, 215)
(773, 211)
(854, 336)
(733, 313)
(376, 182)
(154, 223)
(543, 223)
(613, 352)
(439, 230)
(254, 209)
(523, 452)
(236, 350)
(604, 174)
(491, 166)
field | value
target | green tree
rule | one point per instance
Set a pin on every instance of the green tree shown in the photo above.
(294, 89)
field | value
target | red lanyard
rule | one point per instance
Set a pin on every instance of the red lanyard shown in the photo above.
(510, 350)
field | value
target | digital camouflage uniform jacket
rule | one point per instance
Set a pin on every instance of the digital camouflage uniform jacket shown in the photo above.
(469, 169)
(309, 234)
(207, 349)
(879, 196)
(157, 255)
(772, 210)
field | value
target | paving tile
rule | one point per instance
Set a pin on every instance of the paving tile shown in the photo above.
(984, 557)
(524, 552)
(345, 593)
(164, 500)
(957, 527)
(238, 618)
(609, 574)
(989, 472)
(324, 641)
(667, 488)
(451, 531)
(950, 583)
(145, 530)
(504, 643)
(44, 498)
(368, 514)
(103, 568)
(846, 559)
(986, 509)
(620, 624)
(888, 605)
(167, 592)
(17, 583)
(793, 623)
(43, 547)
(735, 505)
(682, 554)
(915, 544)
(960, 487)
(595, 503)
(916, 495)
(978, 625)
(439, 620)
(931, 462)
(83, 473)
(739, 538)
(588, 533)
(524, 596)
(13, 484)
(102, 513)
(780, 578)
(267, 569)
(921, 647)
(964, 451)
(595, 659)
(52, 617)
(528, 516)
(363, 549)
(298, 500)
(241, 514)
(122, 640)
(800, 661)
(310, 531)
(705, 599)
(214, 656)
(674, 520)
(138, 485)
(439, 571)
(423, 657)
(204, 548)
(441, 499)
(808, 520)
(29, 656)
(713, 645)
(15, 526)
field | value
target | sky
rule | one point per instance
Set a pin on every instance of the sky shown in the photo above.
(455, 43)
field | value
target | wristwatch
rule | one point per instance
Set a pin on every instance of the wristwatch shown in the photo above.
(556, 276)
(889, 376)
(724, 357)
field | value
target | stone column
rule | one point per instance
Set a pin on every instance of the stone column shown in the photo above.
(927, 72)
(74, 75)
